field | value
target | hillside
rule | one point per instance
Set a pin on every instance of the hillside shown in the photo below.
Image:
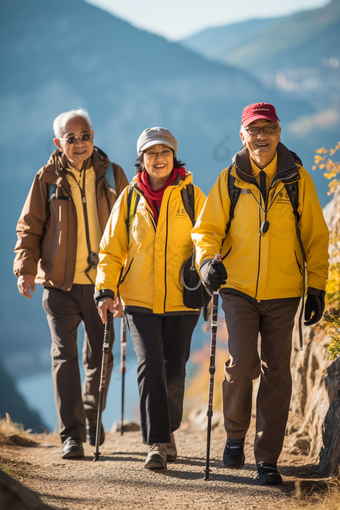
(215, 42)
(298, 53)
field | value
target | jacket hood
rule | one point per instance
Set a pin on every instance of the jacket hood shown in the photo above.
(54, 170)
(287, 161)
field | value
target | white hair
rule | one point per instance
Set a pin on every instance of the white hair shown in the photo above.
(243, 129)
(62, 119)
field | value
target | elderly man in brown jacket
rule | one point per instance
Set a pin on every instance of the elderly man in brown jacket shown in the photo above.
(59, 231)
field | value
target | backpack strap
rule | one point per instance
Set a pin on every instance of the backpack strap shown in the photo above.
(188, 199)
(234, 195)
(132, 203)
(110, 177)
(293, 193)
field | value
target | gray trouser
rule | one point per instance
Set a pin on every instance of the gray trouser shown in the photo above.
(274, 320)
(65, 311)
(162, 345)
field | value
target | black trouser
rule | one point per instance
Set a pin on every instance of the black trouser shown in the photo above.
(65, 311)
(162, 345)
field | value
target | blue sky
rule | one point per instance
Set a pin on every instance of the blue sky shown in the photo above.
(177, 19)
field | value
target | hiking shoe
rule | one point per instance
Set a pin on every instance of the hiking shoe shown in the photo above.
(157, 456)
(171, 449)
(268, 474)
(233, 455)
(91, 429)
(72, 448)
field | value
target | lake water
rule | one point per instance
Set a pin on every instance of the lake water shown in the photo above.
(38, 392)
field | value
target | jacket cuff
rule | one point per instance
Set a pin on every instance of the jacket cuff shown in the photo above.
(316, 292)
(102, 294)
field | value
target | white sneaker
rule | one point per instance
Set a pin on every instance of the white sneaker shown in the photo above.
(157, 456)
(172, 450)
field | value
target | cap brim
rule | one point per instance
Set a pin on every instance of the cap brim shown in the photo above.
(155, 142)
(257, 117)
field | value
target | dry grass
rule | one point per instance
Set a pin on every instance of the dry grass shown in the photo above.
(14, 433)
(324, 495)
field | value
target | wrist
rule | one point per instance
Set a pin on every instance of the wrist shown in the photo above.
(316, 292)
(102, 294)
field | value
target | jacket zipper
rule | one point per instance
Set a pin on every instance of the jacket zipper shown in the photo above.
(68, 230)
(259, 263)
(166, 245)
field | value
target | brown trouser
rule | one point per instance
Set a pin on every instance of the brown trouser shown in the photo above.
(65, 311)
(274, 320)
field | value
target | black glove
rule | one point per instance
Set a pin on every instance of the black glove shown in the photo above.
(213, 274)
(314, 305)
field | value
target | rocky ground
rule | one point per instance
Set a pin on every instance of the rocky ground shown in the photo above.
(119, 480)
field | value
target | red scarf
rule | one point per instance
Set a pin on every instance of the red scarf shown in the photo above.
(154, 197)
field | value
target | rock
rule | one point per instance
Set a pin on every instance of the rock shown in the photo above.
(15, 496)
(329, 463)
(198, 418)
(128, 426)
(316, 384)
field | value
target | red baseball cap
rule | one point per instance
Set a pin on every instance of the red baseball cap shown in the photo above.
(258, 111)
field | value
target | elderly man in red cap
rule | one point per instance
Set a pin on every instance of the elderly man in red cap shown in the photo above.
(264, 217)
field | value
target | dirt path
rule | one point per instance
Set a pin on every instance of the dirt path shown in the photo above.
(118, 479)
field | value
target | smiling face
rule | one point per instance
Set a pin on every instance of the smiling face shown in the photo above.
(81, 150)
(158, 162)
(261, 146)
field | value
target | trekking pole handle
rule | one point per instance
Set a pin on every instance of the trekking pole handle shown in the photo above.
(106, 345)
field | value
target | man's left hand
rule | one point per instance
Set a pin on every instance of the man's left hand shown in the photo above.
(314, 305)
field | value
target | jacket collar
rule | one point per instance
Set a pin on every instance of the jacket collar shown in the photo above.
(287, 170)
(54, 172)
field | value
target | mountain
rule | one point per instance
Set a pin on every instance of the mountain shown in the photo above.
(58, 56)
(298, 53)
(215, 43)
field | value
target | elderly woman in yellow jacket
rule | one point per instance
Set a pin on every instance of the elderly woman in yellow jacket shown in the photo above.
(148, 235)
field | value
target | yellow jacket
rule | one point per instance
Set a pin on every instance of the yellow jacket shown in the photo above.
(151, 256)
(270, 265)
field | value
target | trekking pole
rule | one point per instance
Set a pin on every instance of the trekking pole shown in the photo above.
(106, 345)
(211, 378)
(122, 367)
(214, 315)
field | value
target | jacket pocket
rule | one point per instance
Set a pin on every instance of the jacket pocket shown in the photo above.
(126, 272)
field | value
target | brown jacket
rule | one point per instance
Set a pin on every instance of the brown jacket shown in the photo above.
(47, 228)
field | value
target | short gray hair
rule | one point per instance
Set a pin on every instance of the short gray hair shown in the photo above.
(62, 119)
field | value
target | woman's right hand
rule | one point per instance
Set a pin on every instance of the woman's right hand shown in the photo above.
(104, 305)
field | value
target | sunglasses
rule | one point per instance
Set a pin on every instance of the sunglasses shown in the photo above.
(72, 139)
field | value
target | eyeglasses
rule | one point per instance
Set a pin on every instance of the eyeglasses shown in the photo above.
(72, 139)
(268, 130)
(153, 154)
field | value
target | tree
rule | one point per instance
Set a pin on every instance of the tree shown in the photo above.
(324, 160)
